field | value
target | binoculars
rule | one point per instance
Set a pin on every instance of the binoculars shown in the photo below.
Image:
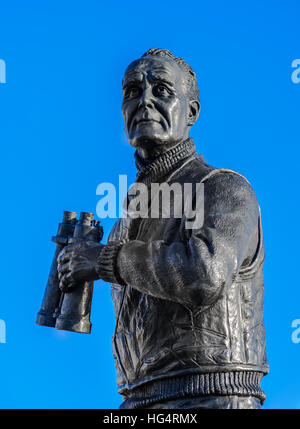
(70, 311)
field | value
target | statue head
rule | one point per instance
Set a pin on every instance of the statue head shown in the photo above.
(160, 100)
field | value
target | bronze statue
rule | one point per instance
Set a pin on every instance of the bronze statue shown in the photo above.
(188, 301)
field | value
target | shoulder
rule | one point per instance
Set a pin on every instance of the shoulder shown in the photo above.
(194, 171)
(219, 183)
(229, 188)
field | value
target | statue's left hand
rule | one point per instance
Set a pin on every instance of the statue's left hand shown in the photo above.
(77, 263)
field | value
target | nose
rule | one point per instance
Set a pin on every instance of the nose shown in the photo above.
(146, 98)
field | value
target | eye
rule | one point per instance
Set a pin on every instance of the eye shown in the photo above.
(161, 90)
(131, 92)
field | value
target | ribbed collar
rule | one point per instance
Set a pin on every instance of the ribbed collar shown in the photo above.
(165, 163)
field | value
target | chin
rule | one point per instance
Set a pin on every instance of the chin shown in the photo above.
(147, 141)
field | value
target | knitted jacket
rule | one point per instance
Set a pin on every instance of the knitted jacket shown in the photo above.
(189, 302)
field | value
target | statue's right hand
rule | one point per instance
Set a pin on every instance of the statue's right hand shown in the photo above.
(77, 263)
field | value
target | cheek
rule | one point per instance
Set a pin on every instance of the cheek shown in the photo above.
(178, 112)
(126, 111)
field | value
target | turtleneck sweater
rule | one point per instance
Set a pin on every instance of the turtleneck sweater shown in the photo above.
(163, 164)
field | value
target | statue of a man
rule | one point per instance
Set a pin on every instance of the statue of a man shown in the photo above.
(188, 301)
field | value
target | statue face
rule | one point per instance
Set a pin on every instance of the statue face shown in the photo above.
(155, 107)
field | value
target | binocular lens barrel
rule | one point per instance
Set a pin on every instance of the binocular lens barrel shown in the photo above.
(45, 316)
(86, 218)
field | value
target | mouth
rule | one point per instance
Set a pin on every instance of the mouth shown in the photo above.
(145, 121)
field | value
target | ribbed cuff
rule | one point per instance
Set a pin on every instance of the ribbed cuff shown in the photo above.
(107, 263)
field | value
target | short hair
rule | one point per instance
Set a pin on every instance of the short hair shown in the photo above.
(192, 85)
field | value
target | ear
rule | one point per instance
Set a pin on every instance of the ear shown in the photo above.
(194, 110)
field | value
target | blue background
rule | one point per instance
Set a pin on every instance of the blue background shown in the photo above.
(61, 134)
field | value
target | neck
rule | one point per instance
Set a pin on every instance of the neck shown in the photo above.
(148, 154)
(165, 162)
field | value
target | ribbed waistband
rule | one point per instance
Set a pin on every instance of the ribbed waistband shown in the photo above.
(242, 383)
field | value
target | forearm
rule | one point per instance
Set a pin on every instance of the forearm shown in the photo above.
(189, 273)
(192, 273)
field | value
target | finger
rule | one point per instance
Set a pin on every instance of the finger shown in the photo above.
(63, 269)
(63, 258)
(65, 281)
(67, 250)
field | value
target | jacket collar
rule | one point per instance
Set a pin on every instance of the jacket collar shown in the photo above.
(151, 172)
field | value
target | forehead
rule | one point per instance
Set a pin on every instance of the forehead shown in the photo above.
(154, 67)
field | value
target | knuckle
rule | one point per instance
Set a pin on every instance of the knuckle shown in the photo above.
(70, 278)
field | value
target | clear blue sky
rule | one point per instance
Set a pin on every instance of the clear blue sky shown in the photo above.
(61, 134)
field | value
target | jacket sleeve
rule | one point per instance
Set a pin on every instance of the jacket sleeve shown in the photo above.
(196, 270)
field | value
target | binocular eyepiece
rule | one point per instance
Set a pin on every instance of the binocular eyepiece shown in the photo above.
(69, 311)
